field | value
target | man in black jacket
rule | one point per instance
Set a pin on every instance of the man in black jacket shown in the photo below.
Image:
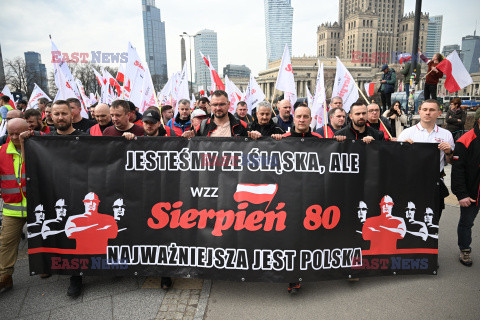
(221, 123)
(357, 129)
(466, 186)
(264, 123)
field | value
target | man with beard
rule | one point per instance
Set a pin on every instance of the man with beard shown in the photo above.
(167, 113)
(264, 123)
(358, 129)
(62, 120)
(104, 120)
(336, 118)
(221, 123)
(182, 122)
(34, 119)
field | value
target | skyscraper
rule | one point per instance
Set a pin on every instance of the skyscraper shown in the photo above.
(278, 27)
(371, 32)
(434, 35)
(471, 52)
(205, 42)
(155, 43)
(35, 71)
(450, 48)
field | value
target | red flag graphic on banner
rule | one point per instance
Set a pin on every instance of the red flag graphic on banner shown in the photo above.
(255, 193)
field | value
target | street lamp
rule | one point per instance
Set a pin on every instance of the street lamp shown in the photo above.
(191, 69)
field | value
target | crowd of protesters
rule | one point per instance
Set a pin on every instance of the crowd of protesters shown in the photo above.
(211, 118)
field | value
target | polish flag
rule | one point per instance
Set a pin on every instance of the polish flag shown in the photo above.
(121, 73)
(404, 57)
(6, 92)
(213, 73)
(457, 76)
(99, 77)
(255, 193)
(370, 88)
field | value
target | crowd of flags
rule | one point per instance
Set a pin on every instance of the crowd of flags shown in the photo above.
(133, 82)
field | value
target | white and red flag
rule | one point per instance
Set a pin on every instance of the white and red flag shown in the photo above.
(457, 76)
(255, 193)
(134, 77)
(86, 101)
(404, 57)
(370, 88)
(99, 77)
(37, 93)
(64, 79)
(108, 79)
(319, 100)
(6, 92)
(121, 73)
(344, 86)
(234, 94)
(149, 98)
(253, 95)
(285, 79)
(213, 73)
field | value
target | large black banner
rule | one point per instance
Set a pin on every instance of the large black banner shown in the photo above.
(230, 208)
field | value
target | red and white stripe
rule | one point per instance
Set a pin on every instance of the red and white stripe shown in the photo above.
(457, 76)
(255, 193)
(370, 88)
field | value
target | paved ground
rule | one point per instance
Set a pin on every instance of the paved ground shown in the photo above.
(453, 294)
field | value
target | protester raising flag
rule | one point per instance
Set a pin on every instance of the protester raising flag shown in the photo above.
(253, 95)
(319, 106)
(6, 92)
(457, 76)
(285, 80)
(344, 86)
(370, 88)
(218, 82)
(37, 93)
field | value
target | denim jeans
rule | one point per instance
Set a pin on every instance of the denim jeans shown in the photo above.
(464, 230)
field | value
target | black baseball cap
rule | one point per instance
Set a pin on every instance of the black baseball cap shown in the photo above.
(151, 116)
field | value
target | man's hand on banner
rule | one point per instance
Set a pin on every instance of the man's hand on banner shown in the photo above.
(188, 134)
(129, 136)
(254, 135)
(277, 136)
(340, 138)
(368, 139)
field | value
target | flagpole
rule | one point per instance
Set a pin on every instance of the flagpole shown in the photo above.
(325, 118)
(368, 102)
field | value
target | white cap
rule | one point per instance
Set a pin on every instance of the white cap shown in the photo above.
(197, 113)
(39, 208)
(60, 203)
(118, 202)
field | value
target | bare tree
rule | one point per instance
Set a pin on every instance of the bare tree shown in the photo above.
(16, 74)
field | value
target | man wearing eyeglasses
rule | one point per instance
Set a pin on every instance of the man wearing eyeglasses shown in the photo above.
(221, 123)
(414, 228)
(378, 122)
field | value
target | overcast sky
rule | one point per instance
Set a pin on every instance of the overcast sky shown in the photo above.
(107, 26)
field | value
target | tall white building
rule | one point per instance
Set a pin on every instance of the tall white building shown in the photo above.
(205, 42)
(278, 27)
(434, 35)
